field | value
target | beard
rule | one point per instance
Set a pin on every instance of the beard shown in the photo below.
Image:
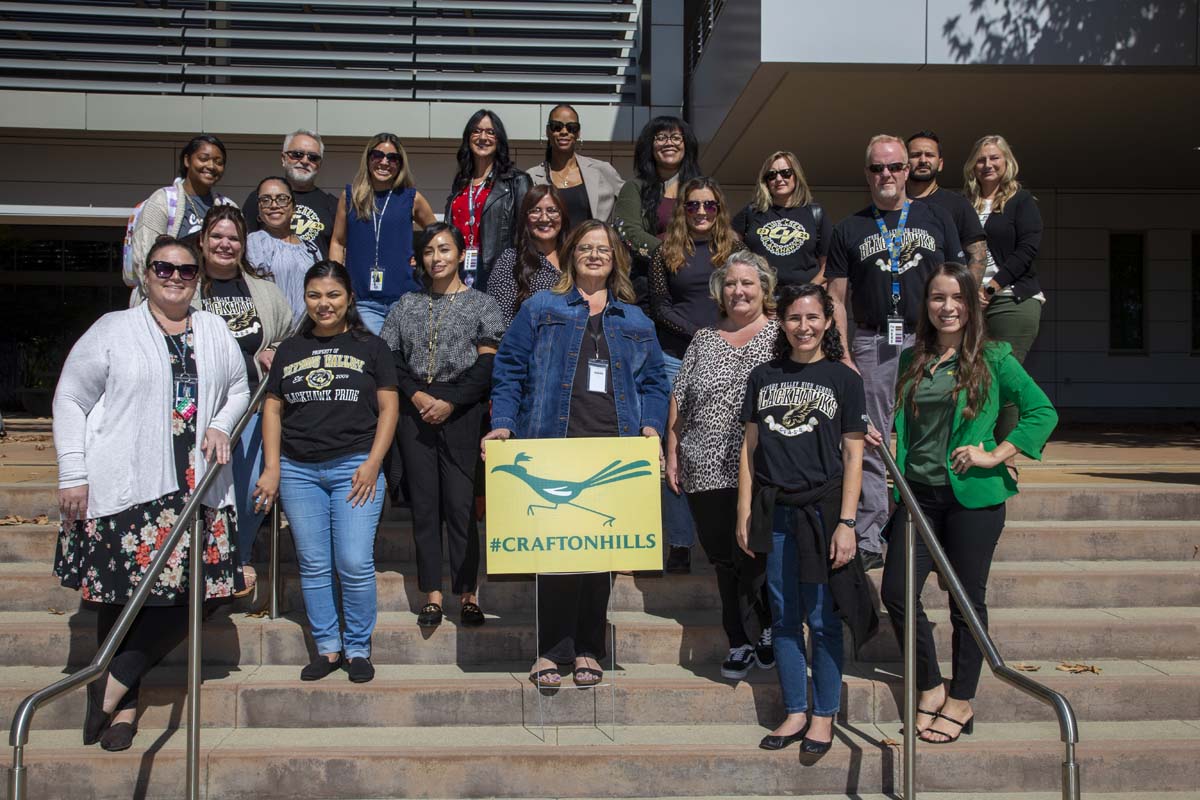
(920, 176)
(298, 178)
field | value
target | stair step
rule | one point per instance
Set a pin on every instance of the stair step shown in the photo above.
(1088, 540)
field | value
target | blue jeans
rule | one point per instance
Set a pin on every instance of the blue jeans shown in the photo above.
(328, 531)
(373, 313)
(246, 463)
(677, 516)
(792, 604)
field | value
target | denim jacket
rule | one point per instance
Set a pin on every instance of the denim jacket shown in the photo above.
(535, 367)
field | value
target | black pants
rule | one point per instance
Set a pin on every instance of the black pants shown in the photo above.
(156, 631)
(440, 463)
(969, 537)
(573, 616)
(715, 514)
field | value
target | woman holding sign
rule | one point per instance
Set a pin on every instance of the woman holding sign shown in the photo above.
(585, 347)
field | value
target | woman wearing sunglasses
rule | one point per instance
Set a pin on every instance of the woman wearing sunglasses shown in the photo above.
(783, 224)
(275, 248)
(588, 187)
(699, 240)
(373, 232)
(145, 404)
(485, 198)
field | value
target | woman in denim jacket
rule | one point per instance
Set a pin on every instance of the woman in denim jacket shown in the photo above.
(541, 389)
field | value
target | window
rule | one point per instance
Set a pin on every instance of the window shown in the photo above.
(1196, 292)
(1126, 291)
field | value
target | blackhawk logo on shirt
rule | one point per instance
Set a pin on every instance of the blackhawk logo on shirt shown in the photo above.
(803, 401)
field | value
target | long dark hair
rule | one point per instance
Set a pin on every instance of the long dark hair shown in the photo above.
(972, 372)
(466, 165)
(831, 342)
(645, 168)
(549, 147)
(334, 269)
(194, 145)
(528, 259)
(423, 239)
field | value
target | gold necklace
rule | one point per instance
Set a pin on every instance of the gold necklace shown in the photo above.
(566, 174)
(434, 327)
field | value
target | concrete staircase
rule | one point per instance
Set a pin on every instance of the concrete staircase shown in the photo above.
(1097, 566)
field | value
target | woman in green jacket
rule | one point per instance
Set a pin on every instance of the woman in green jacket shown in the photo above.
(952, 384)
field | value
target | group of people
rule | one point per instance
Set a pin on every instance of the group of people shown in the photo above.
(562, 301)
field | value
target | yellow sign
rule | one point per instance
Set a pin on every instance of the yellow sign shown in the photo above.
(573, 505)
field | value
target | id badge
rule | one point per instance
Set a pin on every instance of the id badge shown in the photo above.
(470, 265)
(597, 376)
(377, 280)
(185, 396)
(895, 331)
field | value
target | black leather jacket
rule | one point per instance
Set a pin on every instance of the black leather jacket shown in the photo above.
(498, 223)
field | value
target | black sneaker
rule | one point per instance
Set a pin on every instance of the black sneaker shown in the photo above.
(764, 651)
(870, 560)
(319, 668)
(740, 662)
(679, 560)
(361, 669)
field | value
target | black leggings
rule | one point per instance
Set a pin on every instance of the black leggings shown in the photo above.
(156, 631)
(969, 537)
(573, 616)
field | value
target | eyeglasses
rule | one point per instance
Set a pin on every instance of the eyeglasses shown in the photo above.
(379, 155)
(600, 250)
(668, 138)
(694, 206)
(557, 126)
(483, 133)
(300, 155)
(274, 200)
(894, 167)
(772, 174)
(548, 213)
(165, 269)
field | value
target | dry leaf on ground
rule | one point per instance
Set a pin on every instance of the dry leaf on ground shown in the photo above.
(889, 742)
(1023, 667)
(258, 614)
(56, 612)
(1075, 669)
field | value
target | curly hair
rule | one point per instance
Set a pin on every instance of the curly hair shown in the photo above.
(831, 342)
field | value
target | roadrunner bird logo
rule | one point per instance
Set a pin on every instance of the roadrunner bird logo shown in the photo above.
(563, 493)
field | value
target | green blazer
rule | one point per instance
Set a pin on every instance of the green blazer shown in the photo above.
(1010, 383)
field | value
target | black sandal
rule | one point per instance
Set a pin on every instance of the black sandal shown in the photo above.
(597, 673)
(430, 616)
(933, 714)
(472, 615)
(964, 728)
(538, 678)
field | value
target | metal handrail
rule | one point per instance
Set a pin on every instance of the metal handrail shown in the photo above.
(23, 718)
(1068, 727)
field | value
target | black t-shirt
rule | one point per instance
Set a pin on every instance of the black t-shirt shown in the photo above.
(312, 220)
(230, 299)
(328, 387)
(966, 219)
(592, 413)
(790, 239)
(193, 208)
(802, 411)
(859, 252)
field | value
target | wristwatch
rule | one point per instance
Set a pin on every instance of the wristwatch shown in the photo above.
(849, 523)
(989, 290)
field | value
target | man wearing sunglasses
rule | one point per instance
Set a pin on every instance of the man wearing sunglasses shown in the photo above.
(924, 165)
(882, 256)
(316, 209)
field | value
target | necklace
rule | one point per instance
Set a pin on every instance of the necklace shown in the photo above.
(185, 382)
(434, 327)
(565, 173)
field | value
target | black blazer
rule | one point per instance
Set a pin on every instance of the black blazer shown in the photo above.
(498, 223)
(1013, 238)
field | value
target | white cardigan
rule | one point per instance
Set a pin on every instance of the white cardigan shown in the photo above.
(112, 409)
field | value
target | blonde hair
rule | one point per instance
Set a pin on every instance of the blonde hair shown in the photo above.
(766, 279)
(801, 195)
(885, 138)
(678, 244)
(1008, 181)
(619, 285)
(361, 193)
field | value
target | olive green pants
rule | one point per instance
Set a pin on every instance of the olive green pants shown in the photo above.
(1017, 324)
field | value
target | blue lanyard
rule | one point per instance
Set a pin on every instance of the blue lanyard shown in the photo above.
(895, 245)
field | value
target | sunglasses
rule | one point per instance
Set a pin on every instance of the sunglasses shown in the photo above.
(300, 155)
(379, 155)
(165, 269)
(771, 174)
(557, 126)
(274, 200)
(894, 167)
(694, 206)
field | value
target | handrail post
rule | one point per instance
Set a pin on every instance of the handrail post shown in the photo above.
(16, 775)
(910, 658)
(196, 592)
(273, 587)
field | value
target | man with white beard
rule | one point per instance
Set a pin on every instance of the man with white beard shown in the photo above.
(882, 257)
(315, 209)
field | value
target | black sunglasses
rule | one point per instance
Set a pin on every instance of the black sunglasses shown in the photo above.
(786, 173)
(693, 206)
(379, 155)
(300, 155)
(165, 269)
(894, 167)
(557, 125)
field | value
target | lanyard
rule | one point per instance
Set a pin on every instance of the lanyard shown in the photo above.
(377, 222)
(596, 335)
(473, 193)
(895, 244)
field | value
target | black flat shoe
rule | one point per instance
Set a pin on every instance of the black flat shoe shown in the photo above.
(118, 737)
(95, 721)
(679, 560)
(773, 742)
(361, 669)
(319, 668)
(472, 615)
(430, 616)
(813, 747)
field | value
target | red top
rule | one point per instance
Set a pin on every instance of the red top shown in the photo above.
(460, 214)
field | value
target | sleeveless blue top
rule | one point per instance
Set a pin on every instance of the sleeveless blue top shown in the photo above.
(395, 246)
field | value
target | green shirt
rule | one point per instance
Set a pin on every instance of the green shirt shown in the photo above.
(929, 428)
